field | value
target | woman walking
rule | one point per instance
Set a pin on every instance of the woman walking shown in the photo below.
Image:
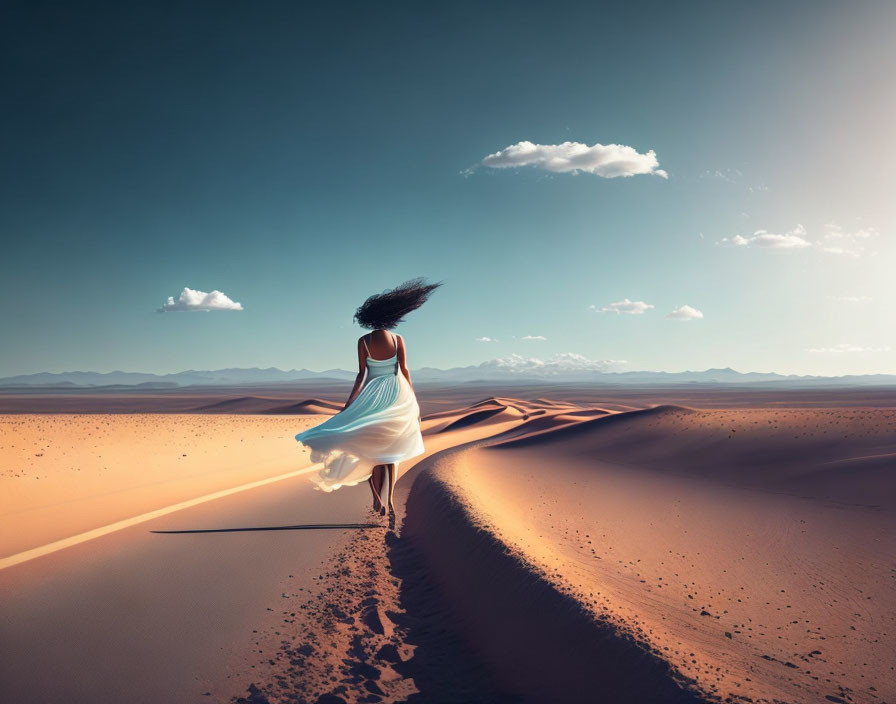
(380, 423)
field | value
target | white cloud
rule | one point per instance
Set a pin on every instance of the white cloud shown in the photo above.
(486, 339)
(539, 338)
(606, 160)
(841, 250)
(834, 231)
(685, 313)
(558, 364)
(835, 241)
(846, 348)
(190, 299)
(795, 239)
(733, 176)
(851, 244)
(729, 175)
(625, 306)
(850, 299)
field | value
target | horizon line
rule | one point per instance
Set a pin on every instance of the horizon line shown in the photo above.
(521, 372)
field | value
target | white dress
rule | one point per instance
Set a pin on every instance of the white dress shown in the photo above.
(381, 426)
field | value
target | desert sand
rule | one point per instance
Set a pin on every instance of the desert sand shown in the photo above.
(66, 474)
(324, 396)
(546, 549)
(750, 552)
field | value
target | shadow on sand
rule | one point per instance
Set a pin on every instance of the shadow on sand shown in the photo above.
(307, 526)
(478, 613)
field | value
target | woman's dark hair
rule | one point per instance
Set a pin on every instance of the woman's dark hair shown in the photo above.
(387, 309)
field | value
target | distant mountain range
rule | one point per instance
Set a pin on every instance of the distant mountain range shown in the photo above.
(192, 377)
(571, 368)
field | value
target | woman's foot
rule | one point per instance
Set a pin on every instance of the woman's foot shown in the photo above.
(382, 510)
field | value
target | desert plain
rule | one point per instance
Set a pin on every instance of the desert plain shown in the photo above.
(553, 544)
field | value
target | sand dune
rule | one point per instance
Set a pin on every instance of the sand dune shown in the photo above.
(748, 553)
(551, 420)
(436, 398)
(836, 454)
(240, 404)
(493, 410)
(271, 406)
(488, 411)
(313, 406)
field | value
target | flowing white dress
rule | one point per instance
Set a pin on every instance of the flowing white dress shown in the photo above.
(381, 426)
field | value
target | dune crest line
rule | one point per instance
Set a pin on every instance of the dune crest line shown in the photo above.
(540, 643)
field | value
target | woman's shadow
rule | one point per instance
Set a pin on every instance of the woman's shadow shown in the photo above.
(305, 526)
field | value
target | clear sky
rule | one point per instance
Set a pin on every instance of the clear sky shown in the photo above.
(300, 157)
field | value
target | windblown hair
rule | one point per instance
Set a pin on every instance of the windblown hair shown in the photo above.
(387, 309)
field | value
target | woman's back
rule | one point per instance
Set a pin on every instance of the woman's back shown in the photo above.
(381, 345)
(377, 366)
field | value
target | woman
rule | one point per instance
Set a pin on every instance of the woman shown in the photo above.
(380, 423)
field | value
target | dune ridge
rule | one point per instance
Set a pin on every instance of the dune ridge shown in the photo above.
(540, 643)
(841, 455)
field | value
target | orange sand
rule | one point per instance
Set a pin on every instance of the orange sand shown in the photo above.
(545, 551)
(751, 550)
(65, 474)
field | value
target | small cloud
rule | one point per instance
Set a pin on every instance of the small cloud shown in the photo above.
(685, 313)
(841, 250)
(486, 339)
(846, 348)
(851, 244)
(605, 160)
(850, 299)
(539, 338)
(795, 239)
(624, 306)
(559, 364)
(190, 299)
(729, 175)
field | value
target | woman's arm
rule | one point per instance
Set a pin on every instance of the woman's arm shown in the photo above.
(403, 361)
(403, 366)
(359, 379)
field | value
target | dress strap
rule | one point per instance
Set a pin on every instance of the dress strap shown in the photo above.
(364, 340)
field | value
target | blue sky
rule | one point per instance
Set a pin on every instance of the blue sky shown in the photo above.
(301, 159)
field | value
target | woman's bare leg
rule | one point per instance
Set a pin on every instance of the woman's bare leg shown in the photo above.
(376, 499)
(376, 486)
(393, 477)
